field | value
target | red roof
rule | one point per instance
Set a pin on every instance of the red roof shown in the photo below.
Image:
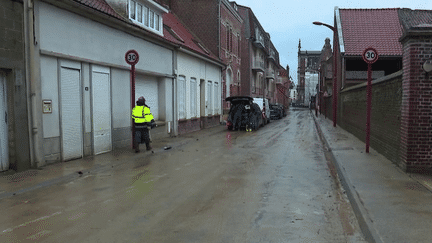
(100, 5)
(176, 32)
(377, 28)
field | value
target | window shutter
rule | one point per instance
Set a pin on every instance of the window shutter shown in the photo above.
(181, 97)
(193, 97)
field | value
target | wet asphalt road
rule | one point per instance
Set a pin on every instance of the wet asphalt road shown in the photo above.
(272, 185)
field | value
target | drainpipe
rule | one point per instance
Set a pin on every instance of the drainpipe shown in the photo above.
(27, 26)
(34, 97)
(33, 88)
(174, 95)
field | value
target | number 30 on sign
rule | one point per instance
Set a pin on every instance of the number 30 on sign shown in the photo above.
(132, 57)
(370, 55)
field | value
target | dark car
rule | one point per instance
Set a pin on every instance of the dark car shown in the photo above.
(243, 114)
(282, 107)
(275, 112)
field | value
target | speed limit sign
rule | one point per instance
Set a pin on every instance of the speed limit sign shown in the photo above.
(132, 57)
(370, 55)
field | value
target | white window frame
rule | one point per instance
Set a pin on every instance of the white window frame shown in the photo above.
(193, 97)
(217, 97)
(210, 97)
(151, 16)
(181, 97)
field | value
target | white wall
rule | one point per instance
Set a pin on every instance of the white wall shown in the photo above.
(121, 99)
(49, 77)
(67, 33)
(193, 67)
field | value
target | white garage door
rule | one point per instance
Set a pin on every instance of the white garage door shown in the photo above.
(148, 87)
(101, 109)
(4, 155)
(71, 114)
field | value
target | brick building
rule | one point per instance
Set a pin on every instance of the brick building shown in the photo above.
(218, 24)
(308, 67)
(261, 68)
(401, 120)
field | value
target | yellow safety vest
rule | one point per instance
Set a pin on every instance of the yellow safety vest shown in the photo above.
(142, 114)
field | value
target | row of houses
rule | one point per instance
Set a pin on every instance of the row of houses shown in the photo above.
(66, 87)
(401, 110)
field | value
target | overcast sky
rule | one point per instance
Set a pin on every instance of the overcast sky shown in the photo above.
(287, 21)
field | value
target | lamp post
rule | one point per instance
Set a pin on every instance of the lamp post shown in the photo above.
(335, 69)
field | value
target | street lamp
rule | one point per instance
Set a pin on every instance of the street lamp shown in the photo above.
(335, 69)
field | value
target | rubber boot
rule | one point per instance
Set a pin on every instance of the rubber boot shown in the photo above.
(136, 145)
(148, 146)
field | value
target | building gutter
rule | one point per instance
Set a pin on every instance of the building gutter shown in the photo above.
(27, 26)
(174, 95)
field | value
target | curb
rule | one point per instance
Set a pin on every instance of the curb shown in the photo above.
(365, 222)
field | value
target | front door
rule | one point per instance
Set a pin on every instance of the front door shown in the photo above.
(101, 109)
(71, 113)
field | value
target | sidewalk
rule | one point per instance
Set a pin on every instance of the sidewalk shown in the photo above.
(390, 205)
(12, 183)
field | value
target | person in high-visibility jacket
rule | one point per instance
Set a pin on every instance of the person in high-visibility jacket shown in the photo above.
(143, 121)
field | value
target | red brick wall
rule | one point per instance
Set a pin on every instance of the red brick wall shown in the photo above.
(201, 17)
(186, 126)
(246, 71)
(230, 56)
(210, 121)
(416, 118)
(385, 114)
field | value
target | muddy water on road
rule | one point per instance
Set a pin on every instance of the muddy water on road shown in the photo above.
(272, 185)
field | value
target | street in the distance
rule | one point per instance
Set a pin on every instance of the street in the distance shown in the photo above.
(272, 185)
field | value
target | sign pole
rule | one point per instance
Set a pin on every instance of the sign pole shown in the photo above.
(133, 101)
(369, 105)
(132, 58)
(370, 55)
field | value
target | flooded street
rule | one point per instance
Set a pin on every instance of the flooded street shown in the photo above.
(272, 185)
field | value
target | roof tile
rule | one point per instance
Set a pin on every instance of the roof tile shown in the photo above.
(377, 28)
(101, 6)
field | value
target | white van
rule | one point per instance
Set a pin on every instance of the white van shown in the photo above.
(265, 107)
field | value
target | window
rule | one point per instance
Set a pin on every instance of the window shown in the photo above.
(193, 97)
(132, 10)
(238, 45)
(146, 16)
(210, 98)
(157, 25)
(217, 97)
(227, 37)
(181, 97)
(139, 13)
(231, 40)
(151, 18)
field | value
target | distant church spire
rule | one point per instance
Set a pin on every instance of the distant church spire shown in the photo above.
(299, 45)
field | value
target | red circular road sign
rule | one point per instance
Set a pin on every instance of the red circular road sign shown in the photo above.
(132, 57)
(370, 55)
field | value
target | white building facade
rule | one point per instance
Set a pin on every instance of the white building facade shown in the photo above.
(81, 86)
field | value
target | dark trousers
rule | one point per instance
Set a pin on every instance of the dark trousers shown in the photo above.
(141, 136)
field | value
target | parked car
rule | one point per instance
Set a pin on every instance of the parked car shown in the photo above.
(243, 114)
(282, 107)
(276, 112)
(264, 105)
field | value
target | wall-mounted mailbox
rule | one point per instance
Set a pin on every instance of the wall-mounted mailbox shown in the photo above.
(47, 106)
